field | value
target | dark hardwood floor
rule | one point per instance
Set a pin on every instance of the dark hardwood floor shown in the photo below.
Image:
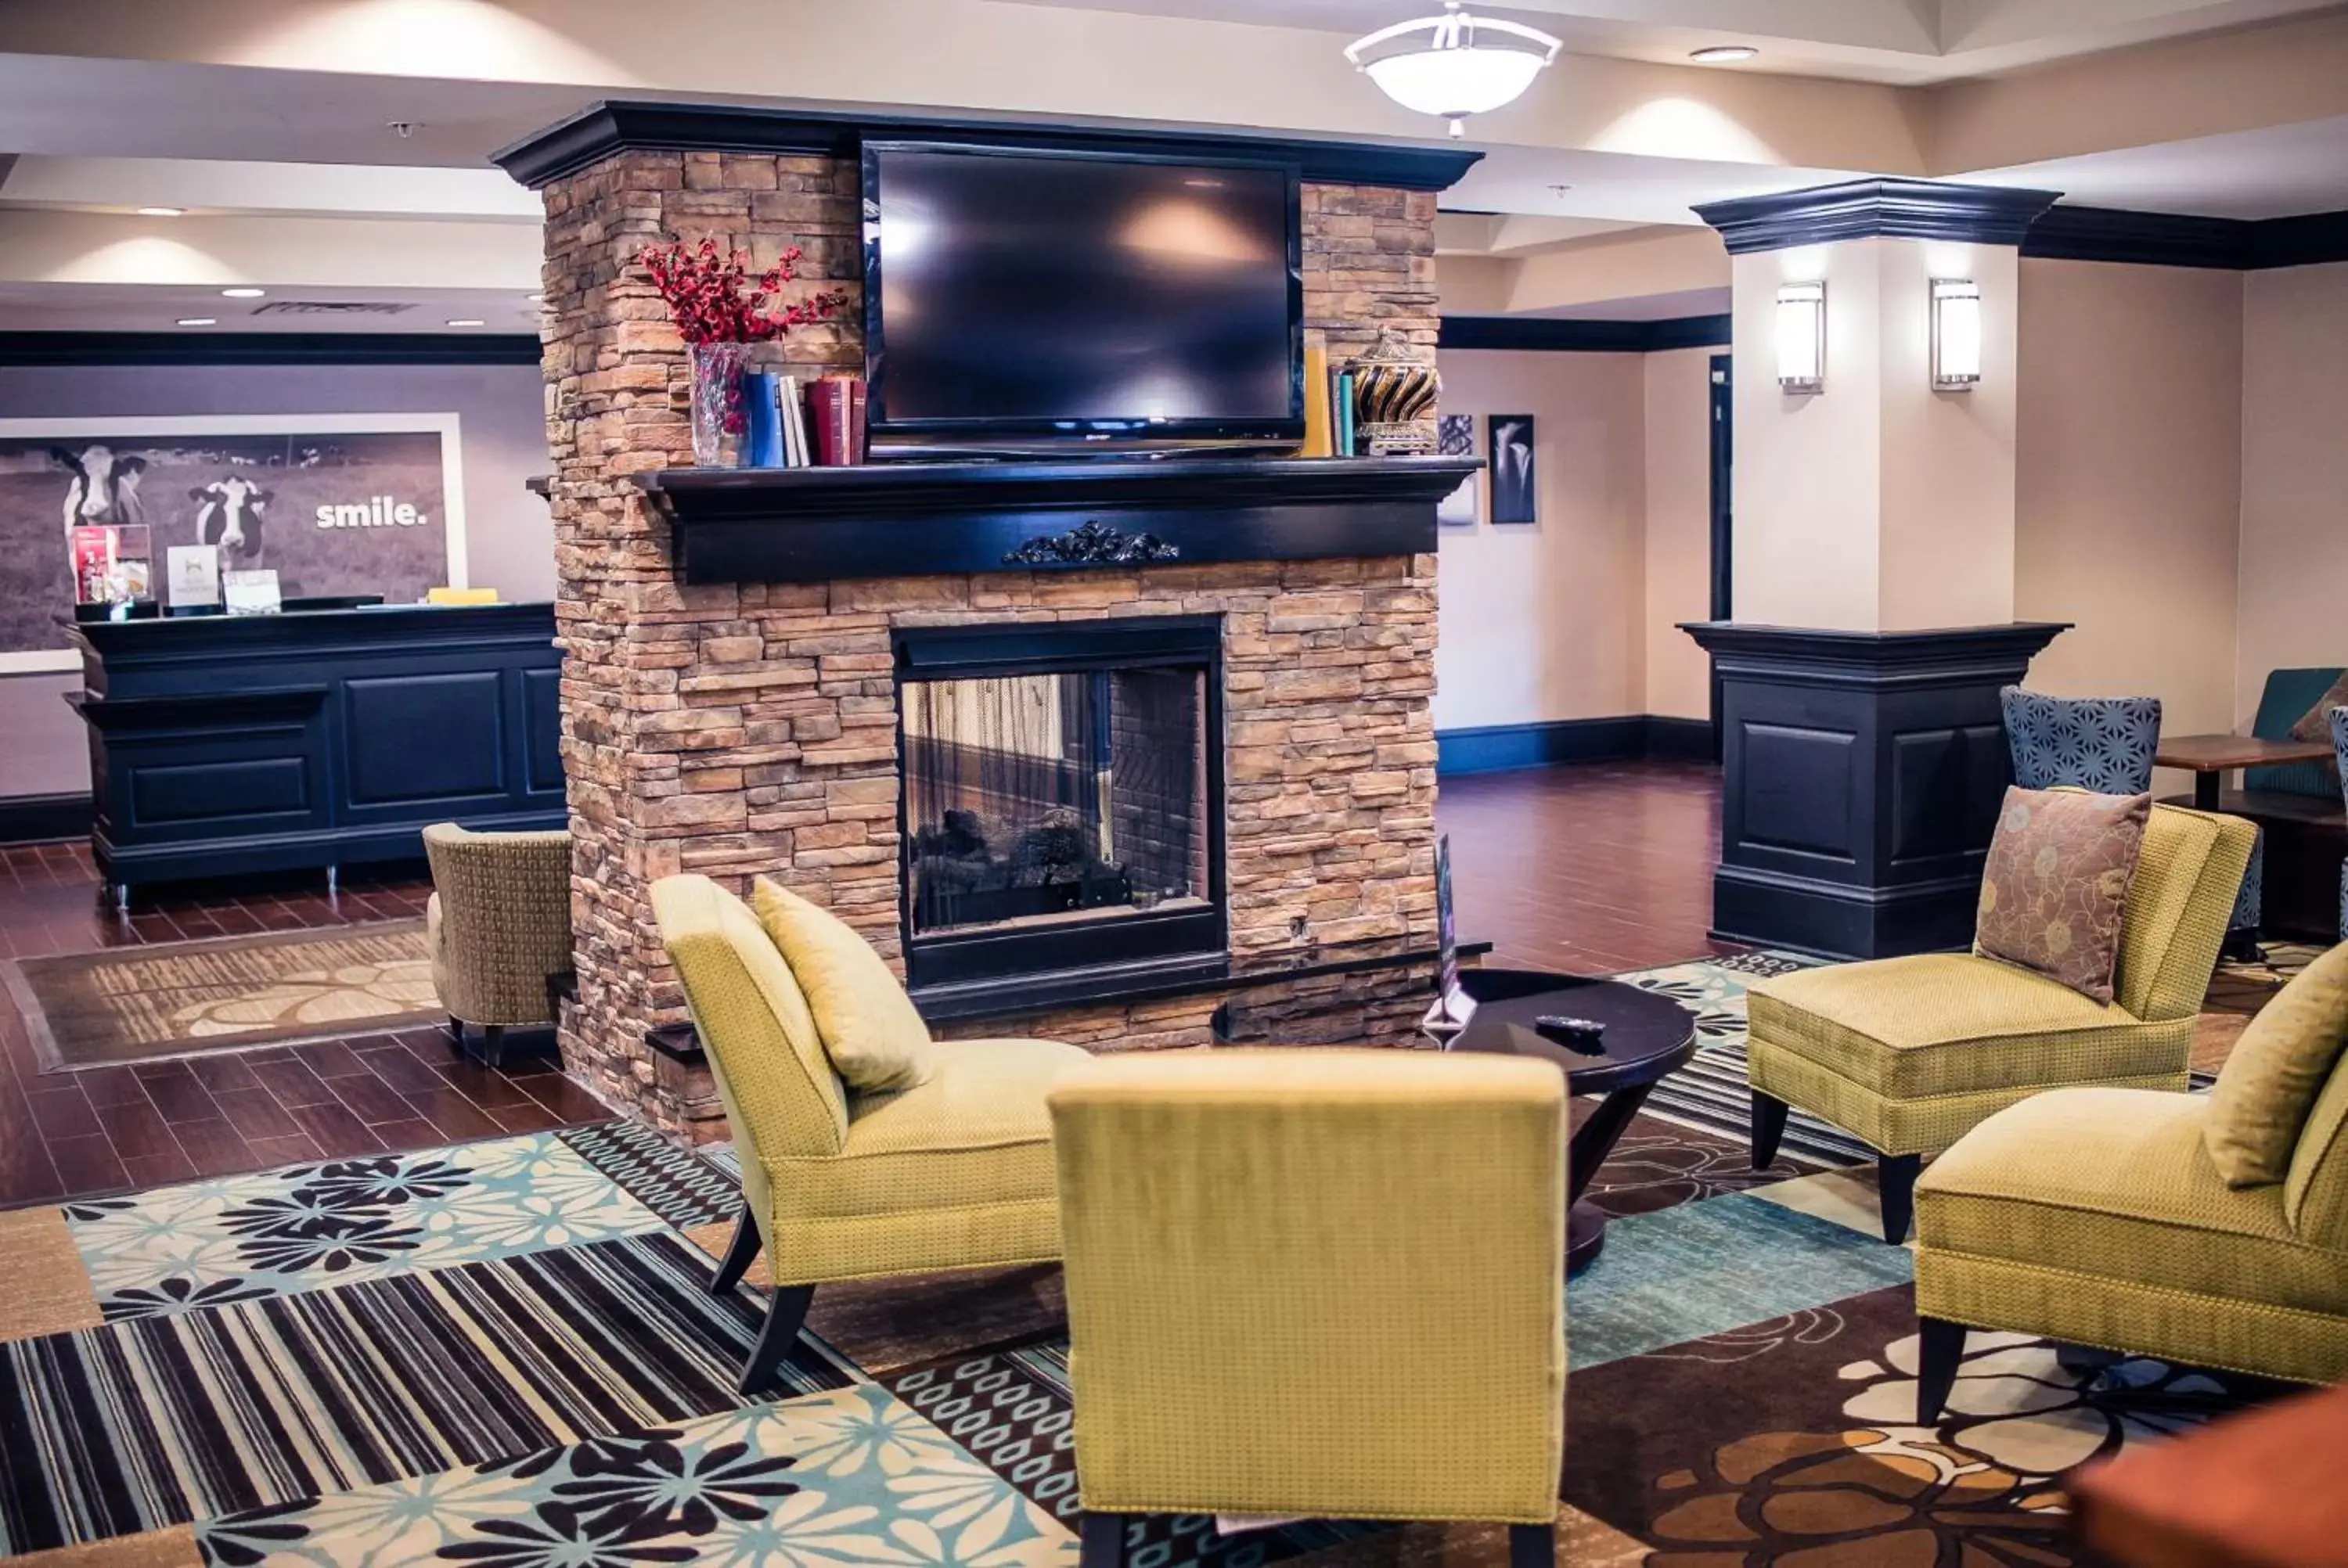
(1598, 866)
(82, 1132)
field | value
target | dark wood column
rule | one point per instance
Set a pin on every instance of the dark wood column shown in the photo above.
(1862, 772)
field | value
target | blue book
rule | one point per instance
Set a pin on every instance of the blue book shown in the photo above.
(762, 422)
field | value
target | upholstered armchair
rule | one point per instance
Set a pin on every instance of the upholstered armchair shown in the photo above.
(2106, 745)
(1323, 1283)
(2100, 743)
(2207, 1229)
(952, 1171)
(1909, 1053)
(497, 927)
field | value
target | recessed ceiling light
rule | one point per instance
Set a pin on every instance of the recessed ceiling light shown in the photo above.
(199, 322)
(1724, 54)
(243, 293)
(162, 213)
(464, 321)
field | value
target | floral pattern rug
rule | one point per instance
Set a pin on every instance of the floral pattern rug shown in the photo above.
(505, 1354)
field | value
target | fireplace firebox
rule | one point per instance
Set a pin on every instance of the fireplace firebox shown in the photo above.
(1062, 798)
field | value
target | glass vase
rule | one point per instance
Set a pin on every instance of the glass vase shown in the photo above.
(717, 399)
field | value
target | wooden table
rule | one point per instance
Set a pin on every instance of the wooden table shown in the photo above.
(2258, 1490)
(2211, 758)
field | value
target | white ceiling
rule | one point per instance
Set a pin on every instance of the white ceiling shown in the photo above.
(125, 307)
(249, 147)
(1645, 308)
(2278, 172)
(1905, 43)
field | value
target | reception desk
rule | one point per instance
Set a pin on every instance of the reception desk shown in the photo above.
(318, 739)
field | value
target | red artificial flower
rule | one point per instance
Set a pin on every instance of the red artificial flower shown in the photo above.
(712, 297)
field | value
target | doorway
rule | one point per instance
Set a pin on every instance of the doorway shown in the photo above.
(1722, 451)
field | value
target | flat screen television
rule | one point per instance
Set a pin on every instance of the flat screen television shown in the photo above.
(1020, 299)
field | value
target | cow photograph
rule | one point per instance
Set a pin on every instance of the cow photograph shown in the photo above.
(335, 509)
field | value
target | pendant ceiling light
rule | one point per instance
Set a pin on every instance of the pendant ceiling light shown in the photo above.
(1454, 65)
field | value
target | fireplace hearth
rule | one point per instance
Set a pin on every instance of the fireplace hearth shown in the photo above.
(1062, 798)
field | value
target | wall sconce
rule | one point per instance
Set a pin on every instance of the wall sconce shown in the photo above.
(1956, 334)
(1802, 337)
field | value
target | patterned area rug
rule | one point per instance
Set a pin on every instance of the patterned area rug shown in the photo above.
(131, 1004)
(504, 1353)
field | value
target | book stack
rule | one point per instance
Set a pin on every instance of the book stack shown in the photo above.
(794, 423)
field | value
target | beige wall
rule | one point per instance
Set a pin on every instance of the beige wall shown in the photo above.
(1678, 545)
(2129, 478)
(1546, 621)
(2294, 547)
(1877, 504)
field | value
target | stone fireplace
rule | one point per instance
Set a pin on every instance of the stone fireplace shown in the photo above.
(1194, 760)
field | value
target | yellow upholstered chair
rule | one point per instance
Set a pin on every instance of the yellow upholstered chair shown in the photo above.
(1322, 1282)
(2106, 1216)
(954, 1172)
(460, 596)
(1909, 1053)
(498, 927)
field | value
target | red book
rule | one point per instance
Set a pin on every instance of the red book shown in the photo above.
(827, 407)
(856, 416)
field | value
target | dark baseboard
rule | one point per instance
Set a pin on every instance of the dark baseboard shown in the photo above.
(1497, 748)
(39, 818)
(1683, 740)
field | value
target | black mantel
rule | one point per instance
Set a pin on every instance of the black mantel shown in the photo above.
(916, 520)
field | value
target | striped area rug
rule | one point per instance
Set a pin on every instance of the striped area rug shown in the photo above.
(157, 1420)
(1713, 1092)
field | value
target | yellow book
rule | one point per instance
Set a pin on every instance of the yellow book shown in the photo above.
(1317, 439)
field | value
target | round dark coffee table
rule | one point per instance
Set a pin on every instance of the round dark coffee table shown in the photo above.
(1647, 1036)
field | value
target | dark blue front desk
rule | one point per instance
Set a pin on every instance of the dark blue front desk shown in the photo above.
(318, 739)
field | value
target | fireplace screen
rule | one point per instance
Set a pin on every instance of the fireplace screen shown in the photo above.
(1057, 797)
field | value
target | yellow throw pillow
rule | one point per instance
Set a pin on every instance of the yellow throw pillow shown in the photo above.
(874, 1038)
(2278, 1068)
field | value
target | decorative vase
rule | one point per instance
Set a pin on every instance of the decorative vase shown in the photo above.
(716, 398)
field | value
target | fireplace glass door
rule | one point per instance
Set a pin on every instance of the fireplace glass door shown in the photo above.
(1037, 798)
(1059, 799)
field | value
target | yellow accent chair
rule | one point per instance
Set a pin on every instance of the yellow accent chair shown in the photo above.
(460, 596)
(1324, 1283)
(954, 1172)
(1909, 1053)
(2210, 1230)
(497, 929)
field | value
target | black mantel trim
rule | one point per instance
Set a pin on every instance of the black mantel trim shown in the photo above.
(1865, 208)
(903, 519)
(602, 130)
(1551, 334)
(1870, 657)
(47, 349)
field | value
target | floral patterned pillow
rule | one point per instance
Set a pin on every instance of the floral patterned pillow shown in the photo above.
(2314, 726)
(2055, 888)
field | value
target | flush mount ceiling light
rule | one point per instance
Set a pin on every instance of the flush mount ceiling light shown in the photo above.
(162, 213)
(1724, 54)
(199, 322)
(464, 321)
(243, 293)
(1454, 65)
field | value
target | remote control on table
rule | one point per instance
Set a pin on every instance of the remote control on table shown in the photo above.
(1585, 1035)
